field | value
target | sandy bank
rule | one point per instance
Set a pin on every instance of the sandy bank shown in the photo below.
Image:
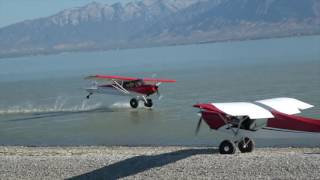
(156, 163)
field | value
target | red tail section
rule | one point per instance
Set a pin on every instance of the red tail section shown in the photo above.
(293, 122)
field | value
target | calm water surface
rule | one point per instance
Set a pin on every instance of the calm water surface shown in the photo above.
(42, 101)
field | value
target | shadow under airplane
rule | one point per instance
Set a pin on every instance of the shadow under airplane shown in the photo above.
(134, 165)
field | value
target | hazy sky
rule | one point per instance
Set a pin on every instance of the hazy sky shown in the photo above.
(12, 11)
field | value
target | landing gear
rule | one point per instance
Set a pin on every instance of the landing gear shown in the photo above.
(246, 145)
(89, 95)
(134, 103)
(148, 103)
(227, 147)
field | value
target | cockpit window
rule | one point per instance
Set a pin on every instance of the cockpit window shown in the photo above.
(132, 84)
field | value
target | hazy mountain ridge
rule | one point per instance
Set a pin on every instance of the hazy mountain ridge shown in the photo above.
(160, 22)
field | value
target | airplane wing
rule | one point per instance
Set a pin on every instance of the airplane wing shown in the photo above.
(107, 77)
(237, 109)
(158, 80)
(286, 105)
(243, 109)
(122, 78)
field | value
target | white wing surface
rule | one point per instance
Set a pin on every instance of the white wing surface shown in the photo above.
(243, 109)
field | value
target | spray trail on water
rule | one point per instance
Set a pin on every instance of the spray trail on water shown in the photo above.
(60, 105)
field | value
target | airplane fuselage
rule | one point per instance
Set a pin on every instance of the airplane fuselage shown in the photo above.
(145, 89)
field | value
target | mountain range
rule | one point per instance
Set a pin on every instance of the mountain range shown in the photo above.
(147, 23)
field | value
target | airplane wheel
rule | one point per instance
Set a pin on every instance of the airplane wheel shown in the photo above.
(134, 103)
(246, 145)
(89, 95)
(148, 103)
(227, 147)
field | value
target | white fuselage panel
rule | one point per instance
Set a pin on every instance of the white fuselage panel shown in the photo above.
(107, 90)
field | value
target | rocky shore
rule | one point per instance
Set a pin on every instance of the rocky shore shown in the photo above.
(157, 163)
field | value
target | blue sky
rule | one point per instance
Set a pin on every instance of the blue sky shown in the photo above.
(13, 11)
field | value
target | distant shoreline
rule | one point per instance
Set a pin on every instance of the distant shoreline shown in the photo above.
(99, 162)
(48, 53)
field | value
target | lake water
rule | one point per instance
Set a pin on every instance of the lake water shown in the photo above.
(42, 98)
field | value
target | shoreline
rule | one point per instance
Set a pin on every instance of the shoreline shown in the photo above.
(103, 50)
(156, 162)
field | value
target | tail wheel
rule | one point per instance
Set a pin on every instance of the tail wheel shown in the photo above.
(148, 103)
(227, 147)
(134, 103)
(246, 145)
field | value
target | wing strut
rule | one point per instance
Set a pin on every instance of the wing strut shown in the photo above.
(119, 87)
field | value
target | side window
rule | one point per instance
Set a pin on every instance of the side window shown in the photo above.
(132, 84)
(124, 85)
(127, 84)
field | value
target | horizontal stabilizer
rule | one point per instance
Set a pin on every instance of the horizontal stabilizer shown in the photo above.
(286, 105)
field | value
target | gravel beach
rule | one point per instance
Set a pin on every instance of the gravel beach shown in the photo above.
(157, 163)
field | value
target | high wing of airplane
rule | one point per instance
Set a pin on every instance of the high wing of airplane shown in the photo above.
(272, 114)
(140, 89)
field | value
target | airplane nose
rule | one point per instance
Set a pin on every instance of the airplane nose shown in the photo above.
(155, 88)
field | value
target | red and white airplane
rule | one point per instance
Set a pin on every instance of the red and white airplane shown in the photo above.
(272, 114)
(140, 89)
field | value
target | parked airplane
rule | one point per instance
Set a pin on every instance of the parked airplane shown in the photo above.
(140, 89)
(272, 114)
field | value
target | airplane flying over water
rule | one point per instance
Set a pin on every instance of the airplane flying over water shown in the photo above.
(139, 89)
(277, 114)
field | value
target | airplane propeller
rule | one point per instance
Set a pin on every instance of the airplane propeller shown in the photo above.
(157, 84)
(158, 92)
(157, 87)
(94, 84)
(198, 125)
